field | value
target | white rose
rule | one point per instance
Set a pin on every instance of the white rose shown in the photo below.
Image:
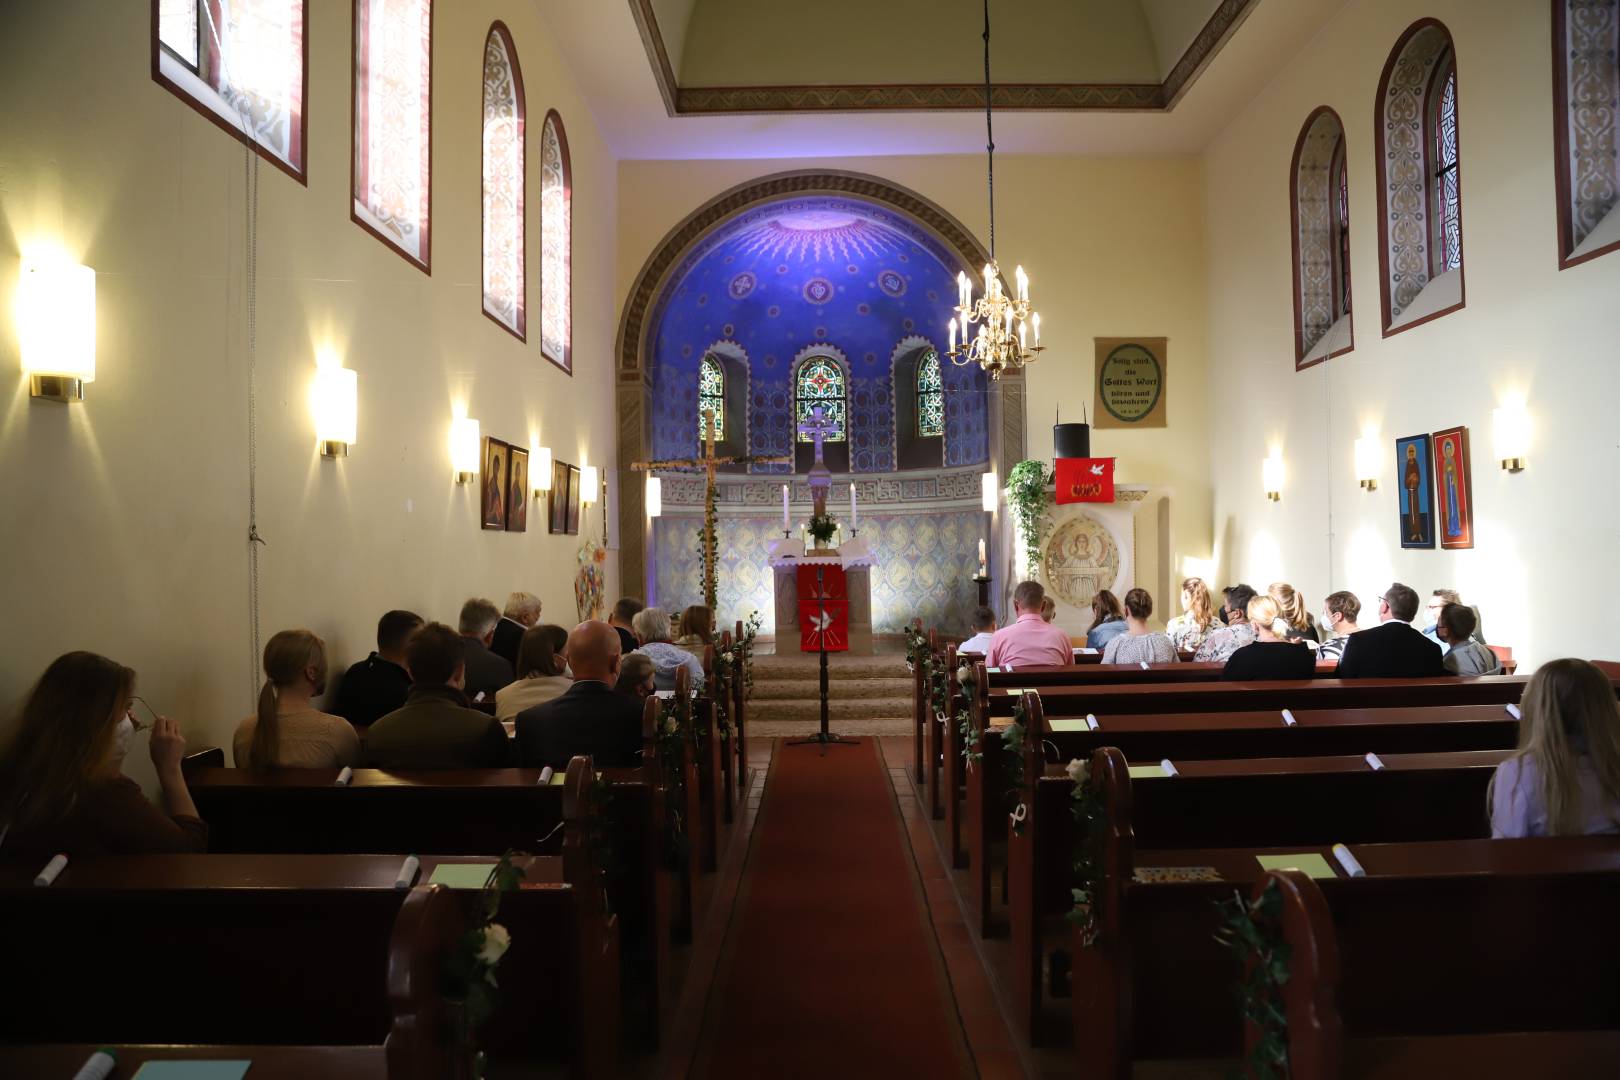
(1079, 771)
(496, 942)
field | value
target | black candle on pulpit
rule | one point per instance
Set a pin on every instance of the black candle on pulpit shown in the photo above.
(1071, 440)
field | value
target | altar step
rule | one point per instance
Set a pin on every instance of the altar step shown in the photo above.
(866, 695)
(839, 687)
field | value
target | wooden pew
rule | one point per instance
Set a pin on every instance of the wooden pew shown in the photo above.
(739, 712)
(1353, 946)
(710, 790)
(936, 724)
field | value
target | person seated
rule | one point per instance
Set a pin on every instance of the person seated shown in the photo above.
(697, 630)
(1392, 650)
(1029, 641)
(652, 630)
(486, 672)
(1048, 609)
(1291, 609)
(1270, 655)
(1225, 640)
(1565, 778)
(288, 732)
(620, 619)
(435, 728)
(984, 631)
(1437, 602)
(1464, 655)
(1107, 620)
(1196, 622)
(542, 672)
(591, 718)
(62, 787)
(522, 614)
(1339, 612)
(378, 684)
(636, 676)
(1138, 644)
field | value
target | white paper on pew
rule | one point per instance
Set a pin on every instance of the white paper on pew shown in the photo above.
(1375, 761)
(1351, 865)
(407, 872)
(664, 695)
(545, 776)
(1086, 652)
(1288, 718)
(1169, 769)
(345, 776)
(478, 696)
(1091, 722)
(98, 1066)
(52, 868)
(1144, 665)
(1513, 711)
(992, 671)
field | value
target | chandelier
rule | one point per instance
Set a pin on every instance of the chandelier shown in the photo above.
(1005, 323)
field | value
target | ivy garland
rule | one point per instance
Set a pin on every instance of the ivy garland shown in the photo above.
(743, 652)
(708, 548)
(599, 838)
(916, 647)
(1090, 819)
(1012, 743)
(1250, 929)
(1026, 495)
(672, 741)
(971, 753)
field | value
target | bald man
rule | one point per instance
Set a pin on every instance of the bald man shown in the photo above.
(591, 717)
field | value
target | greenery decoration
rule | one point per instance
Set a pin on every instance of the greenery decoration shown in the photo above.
(469, 975)
(972, 754)
(1026, 495)
(1090, 819)
(672, 742)
(822, 528)
(709, 549)
(1251, 929)
(1012, 744)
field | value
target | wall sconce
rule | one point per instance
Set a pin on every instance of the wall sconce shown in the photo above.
(988, 491)
(1511, 426)
(335, 400)
(56, 327)
(589, 485)
(1367, 462)
(465, 448)
(540, 470)
(1271, 474)
(655, 496)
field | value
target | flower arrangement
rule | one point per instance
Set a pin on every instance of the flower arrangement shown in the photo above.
(1090, 818)
(1012, 743)
(1252, 929)
(822, 528)
(469, 977)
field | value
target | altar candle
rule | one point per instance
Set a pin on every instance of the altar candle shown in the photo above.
(854, 511)
(785, 508)
(981, 554)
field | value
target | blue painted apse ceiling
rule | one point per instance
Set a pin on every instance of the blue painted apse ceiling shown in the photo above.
(861, 281)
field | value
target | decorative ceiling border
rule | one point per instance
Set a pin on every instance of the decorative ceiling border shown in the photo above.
(924, 97)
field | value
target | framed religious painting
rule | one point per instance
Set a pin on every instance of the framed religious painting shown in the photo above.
(517, 490)
(573, 500)
(1453, 489)
(557, 499)
(492, 483)
(1415, 491)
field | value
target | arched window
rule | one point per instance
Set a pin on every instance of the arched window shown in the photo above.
(556, 245)
(711, 397)
(1419, 180)
(241, 63)
(930, 397)
(393, 92)
(1321, 217)
(820, 382)
(1586, 95)
(504, 271)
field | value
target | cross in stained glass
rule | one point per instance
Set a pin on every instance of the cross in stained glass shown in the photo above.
(820, 385)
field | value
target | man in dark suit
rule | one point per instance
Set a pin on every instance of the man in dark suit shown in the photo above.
(591, 718)
(435, 729)
(377, 685)
(522, 614)
(1392, 650)
(486, 672)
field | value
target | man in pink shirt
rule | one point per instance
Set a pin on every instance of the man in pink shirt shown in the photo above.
(1029, 641)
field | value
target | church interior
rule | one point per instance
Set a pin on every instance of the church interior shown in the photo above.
(704, 538)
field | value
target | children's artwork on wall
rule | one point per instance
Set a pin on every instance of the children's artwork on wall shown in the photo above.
(492, 484)
(517, 490)
(1453, 488)
(1415, 491)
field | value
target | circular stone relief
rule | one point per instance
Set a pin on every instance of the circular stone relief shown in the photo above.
(1081, 559)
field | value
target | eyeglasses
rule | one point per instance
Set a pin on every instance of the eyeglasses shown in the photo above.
(136, 720)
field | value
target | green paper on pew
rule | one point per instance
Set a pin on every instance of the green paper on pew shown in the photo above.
(461, 875)
(1067, 723)
(192, 1070)
(558, 779)
(1312, 864)
(1140, 771)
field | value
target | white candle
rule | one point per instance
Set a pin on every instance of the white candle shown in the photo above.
(953, 336)
(981, 553)
(854, 511)
(1022, 343)
(1023, 283)
(1036, 318)
(784, 508)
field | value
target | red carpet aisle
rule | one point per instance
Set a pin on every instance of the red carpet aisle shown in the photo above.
(830, 965)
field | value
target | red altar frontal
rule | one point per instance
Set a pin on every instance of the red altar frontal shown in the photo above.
(823, 597)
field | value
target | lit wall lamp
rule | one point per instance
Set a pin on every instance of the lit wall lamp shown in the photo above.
(1367, 463)
(540, 470)
(464, 449)
(987, 491)
(56, 327)
(1511, 427)
(335, 399)
(1271, 474)
(589, 485)
(655, 496)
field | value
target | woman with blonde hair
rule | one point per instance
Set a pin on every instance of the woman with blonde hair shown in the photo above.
(62, 787)
(1565, 778)
(1189, 629)
(1272, 655)
(697, 629)
(1107, 620)
(1291, 606)
(541, 672)
(287, 731)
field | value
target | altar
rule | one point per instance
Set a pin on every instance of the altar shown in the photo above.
(855, 556)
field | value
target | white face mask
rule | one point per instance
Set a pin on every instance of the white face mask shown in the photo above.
(123, 735)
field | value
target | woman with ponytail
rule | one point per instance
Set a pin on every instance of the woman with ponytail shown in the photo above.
(1291, 606)
(1272, 656)
(288, 732)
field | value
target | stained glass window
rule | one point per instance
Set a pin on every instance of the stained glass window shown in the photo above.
(1446, 186)
(930, 397)
(1341, 204)
(556, 245)
(242, 63)
(503, 183)
(712, 397)
(821, 382)
(393, 64)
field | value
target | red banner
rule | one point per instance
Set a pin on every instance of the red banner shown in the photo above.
(1081, 479)
(823, 609)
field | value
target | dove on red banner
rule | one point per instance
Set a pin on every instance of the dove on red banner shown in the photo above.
(1082, 479)
(823, 609)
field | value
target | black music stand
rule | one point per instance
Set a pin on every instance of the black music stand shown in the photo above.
(823, 738)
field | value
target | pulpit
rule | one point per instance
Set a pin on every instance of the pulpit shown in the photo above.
(855, 557)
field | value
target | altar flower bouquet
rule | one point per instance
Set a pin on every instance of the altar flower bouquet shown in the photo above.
(822, 529)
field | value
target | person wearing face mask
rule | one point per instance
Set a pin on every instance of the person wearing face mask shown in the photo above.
(591, 718)
(435, 728)
(287, 731)
(1339, 613)
(62, 789)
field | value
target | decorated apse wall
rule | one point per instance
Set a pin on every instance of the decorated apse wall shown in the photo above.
(854, 280)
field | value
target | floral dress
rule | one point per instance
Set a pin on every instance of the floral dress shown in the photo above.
(1187, 634)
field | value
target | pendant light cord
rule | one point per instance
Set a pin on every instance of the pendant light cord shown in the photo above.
(989, 133)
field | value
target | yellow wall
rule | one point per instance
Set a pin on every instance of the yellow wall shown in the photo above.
(1542, 568)
(125, 517)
